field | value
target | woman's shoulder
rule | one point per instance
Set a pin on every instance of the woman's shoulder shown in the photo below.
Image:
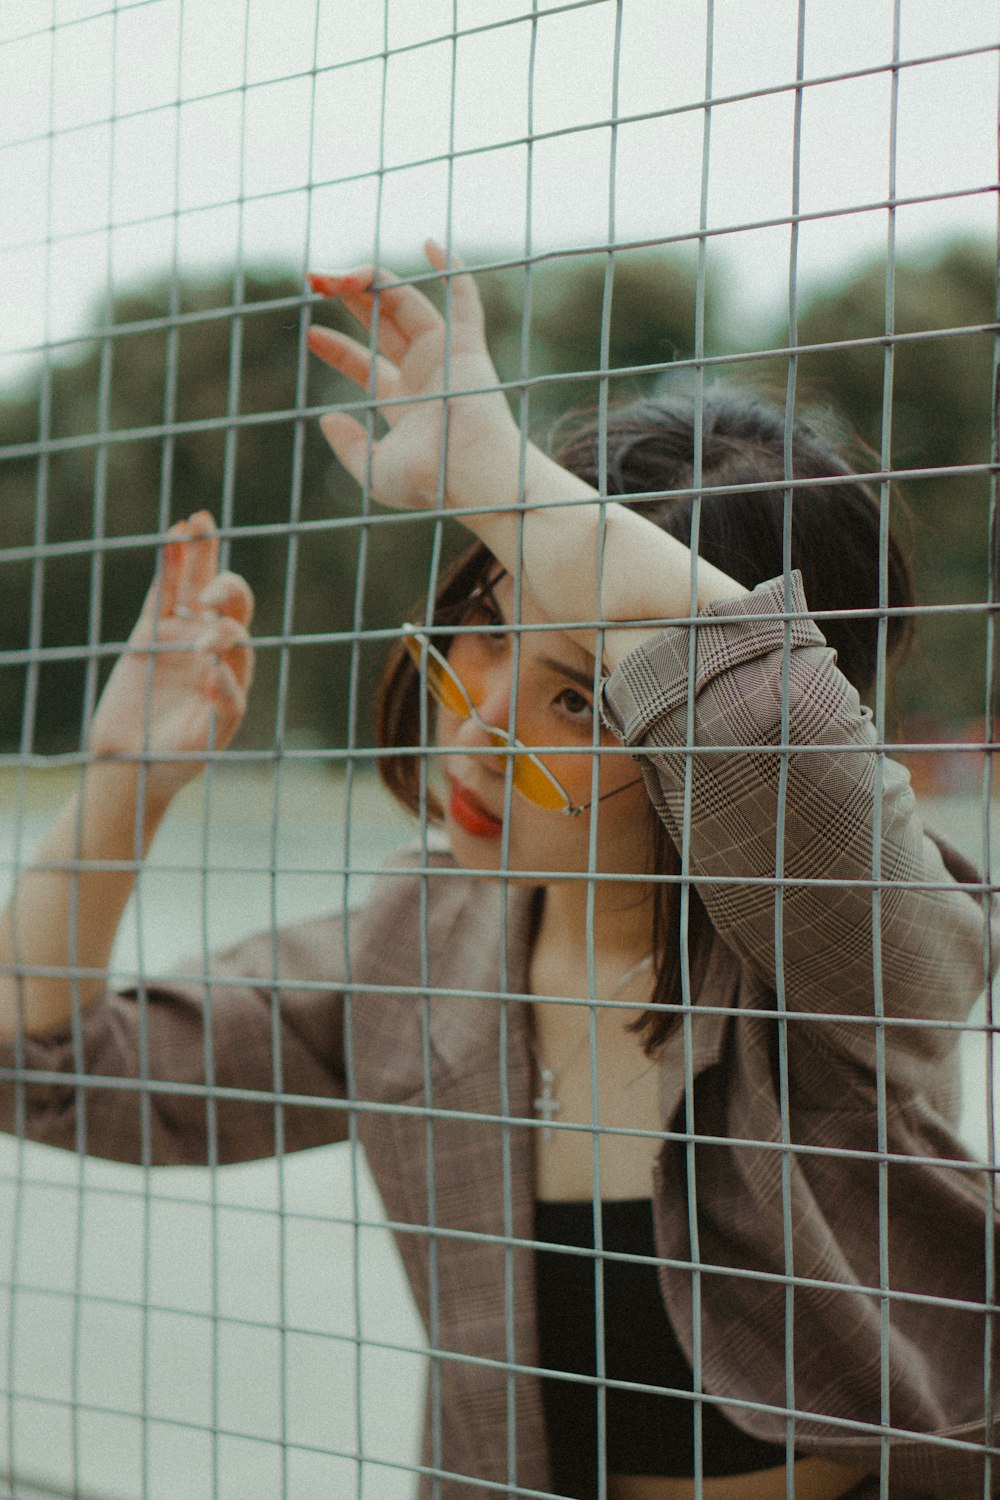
(420, 900)
(422, 917)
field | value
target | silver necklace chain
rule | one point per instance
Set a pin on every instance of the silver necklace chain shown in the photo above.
(547, 1103)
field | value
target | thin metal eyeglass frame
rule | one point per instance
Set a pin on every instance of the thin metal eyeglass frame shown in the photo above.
(413, 637)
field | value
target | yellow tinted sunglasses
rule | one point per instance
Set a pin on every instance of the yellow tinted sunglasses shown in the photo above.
(529, 774)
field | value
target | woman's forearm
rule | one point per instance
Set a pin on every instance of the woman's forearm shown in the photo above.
(644, 574)
(63, 916)
(178, 691)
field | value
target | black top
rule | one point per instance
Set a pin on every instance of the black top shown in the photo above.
(645, 1433)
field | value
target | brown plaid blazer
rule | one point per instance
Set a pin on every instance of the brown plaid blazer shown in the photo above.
(831, 1192)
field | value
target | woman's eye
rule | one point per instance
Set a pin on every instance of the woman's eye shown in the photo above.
(574, 704)
(497, 637)
(483, 613)
(486, 629)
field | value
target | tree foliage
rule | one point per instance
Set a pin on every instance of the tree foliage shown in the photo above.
(189, 403)
(939, 380)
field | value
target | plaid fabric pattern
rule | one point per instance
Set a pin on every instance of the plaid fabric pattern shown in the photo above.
(439, 1101)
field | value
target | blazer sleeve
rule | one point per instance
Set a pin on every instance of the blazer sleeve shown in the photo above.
(239, 1058)
(915, 951)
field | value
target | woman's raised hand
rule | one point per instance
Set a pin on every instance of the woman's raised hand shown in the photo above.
(583, 559)
(420, 358)
(180, 687)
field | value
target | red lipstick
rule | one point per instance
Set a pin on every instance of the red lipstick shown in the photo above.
(471, 815)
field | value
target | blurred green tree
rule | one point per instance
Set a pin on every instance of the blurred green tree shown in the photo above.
(940, 380)
(546, 328)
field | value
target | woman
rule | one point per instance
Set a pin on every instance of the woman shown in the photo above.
(700, 1044)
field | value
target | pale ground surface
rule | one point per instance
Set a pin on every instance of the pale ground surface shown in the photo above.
(100, 1262)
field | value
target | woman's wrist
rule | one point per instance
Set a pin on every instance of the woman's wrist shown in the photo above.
(122, 807)
(528, 486)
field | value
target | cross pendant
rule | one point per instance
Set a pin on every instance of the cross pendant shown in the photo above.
(546, 1104)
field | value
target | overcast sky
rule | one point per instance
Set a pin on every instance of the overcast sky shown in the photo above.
(271, 132)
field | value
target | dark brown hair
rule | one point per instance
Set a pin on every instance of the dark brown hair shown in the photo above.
(836, 536)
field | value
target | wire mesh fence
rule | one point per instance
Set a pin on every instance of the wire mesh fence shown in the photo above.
(291, 1215)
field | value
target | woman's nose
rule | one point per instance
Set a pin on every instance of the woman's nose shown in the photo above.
(488, 688)
(490, 695)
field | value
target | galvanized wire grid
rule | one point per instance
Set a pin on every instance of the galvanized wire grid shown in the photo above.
(92, 1405)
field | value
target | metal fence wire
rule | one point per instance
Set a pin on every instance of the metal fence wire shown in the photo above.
(285, 1218)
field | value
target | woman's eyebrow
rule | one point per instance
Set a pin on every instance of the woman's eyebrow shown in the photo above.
(582, 679)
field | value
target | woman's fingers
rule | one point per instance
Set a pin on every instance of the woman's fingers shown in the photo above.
(219, 606)
(349, 441)
(229, 594)
(404, 313)
(190, 584)
(466, 305)
(201, 559)
(409, 309)
(164, 593)
(404, 464)
(228, 643)
(356, 362)
(392, 342)
(225, 690)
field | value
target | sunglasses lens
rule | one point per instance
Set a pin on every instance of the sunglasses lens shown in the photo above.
(534, 782)
(446, 690)
(440, 682)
